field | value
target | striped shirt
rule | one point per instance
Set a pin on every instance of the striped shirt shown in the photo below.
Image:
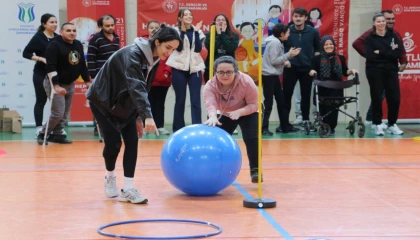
(99, 50)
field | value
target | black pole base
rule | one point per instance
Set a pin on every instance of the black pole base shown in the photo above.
(260, 203)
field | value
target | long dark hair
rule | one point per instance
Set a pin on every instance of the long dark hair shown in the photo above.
(229, 31)
(181, 14)
(44, 20)
(164, 34)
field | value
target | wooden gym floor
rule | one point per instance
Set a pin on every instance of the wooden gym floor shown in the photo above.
(337, 188)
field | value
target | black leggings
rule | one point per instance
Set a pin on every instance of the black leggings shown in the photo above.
(112, 139)
(41, 98)
(249, 128)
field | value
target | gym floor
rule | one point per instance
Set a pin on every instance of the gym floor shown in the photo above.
(341, 187)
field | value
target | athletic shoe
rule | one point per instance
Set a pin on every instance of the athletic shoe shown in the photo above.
(131, 195)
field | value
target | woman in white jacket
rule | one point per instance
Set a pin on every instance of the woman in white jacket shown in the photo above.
(187, 66)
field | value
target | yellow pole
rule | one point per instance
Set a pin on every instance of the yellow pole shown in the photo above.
(211, 50)
(259, 107)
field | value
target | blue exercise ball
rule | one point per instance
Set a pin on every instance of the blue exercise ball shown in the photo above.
(200, 160)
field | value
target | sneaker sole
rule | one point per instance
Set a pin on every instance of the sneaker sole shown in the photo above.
(112, 195)
(127, 200)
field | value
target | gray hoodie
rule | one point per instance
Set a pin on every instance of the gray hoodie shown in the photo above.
(274, 57)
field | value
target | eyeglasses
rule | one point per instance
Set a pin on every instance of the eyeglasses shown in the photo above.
(228, 73)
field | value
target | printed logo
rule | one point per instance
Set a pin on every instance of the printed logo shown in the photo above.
(169, 6)
(409, 44)
(397, 9)
(26, 12)
(86, 3)
(74, 57)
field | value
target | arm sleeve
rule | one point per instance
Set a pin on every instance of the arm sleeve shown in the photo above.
(209, 96)
(181, 44)
(396, 53)
(84, 68)
(198, 45)
(251, 98)
(91, 57)
(137, 88)
(403, 59)
(31, 48)
(230, 44)
(344, 67)
(317, 41)
(369, 51)
(359, 45)
(51, 56)
(276, 58)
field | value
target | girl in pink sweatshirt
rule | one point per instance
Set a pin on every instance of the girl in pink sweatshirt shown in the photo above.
(235, 95)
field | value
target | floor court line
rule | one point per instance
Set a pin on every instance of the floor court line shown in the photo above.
(265, 214)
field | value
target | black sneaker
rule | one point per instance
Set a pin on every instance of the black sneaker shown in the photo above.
(254, 175)
(290, 129)
(40, 139)
(61, 139)
(267, 132)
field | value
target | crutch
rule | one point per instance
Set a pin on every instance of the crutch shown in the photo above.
(99, 131)
(49, 115)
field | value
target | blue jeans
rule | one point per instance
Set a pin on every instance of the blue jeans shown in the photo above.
(180, 80)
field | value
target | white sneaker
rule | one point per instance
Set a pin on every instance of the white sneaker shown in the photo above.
(63, 132)
(111, 189)
(368, 123)
(383, 125)
(235, 132)
(37, 131)
(163, 131)
(131, 195)
(379, 131)
(394, 129)
(298, 120)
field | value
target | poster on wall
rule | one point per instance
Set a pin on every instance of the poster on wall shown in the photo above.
(331, 19)
(408, 11)
(84, 14)
(20, 21)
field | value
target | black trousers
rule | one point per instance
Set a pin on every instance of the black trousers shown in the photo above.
(272, 86)
(290, 78)
(40, 98)
(380, 80)
(332, 118)
(249, 128)
(112, 140)
(157, 97)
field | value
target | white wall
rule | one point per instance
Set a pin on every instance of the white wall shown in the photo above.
(361, 12)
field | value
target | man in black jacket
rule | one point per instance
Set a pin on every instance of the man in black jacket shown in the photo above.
(65, 63)
(305, 37)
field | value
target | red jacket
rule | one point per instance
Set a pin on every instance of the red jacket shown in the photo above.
(160, 79)
(359, 46)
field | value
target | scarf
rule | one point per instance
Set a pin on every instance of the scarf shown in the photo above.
(330, 62)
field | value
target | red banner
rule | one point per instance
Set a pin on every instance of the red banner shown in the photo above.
(329, 17)
(408, 11)
(84, 14)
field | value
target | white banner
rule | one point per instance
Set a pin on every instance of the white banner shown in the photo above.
(20, 20)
